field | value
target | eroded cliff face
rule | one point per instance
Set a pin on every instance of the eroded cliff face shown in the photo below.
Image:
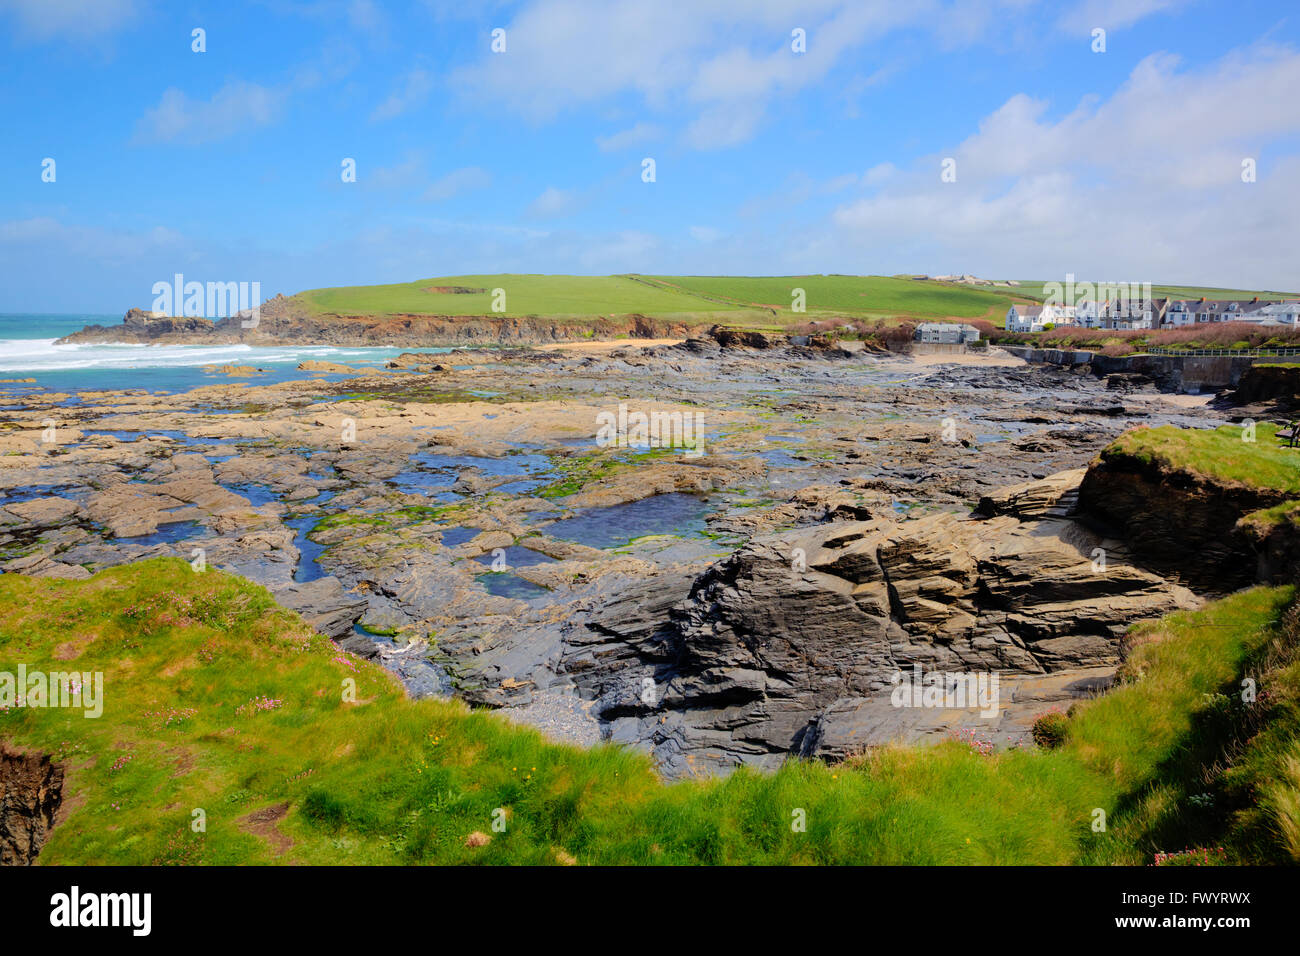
(31, 792)
(1184, 525)
(1268, 381)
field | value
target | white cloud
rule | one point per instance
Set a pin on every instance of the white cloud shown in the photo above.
(627, 251)
(723, 60)
(443, 10)
(553, 203)
(411, 92)
(1164, 126)
(721, 65)
(1143, 185)
(636, 135)
(705, 233)
(367, 17)
(75, 19)
(722, 126)
(879, 173)
(402, 175)
(458, 181)
(108, 247)
(1114, 14)
(237, 107)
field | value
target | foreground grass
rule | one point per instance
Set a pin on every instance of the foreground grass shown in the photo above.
(220, 701)
(1180, 744)
(1219, 453)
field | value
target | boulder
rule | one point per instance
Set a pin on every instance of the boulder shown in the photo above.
(333, 368)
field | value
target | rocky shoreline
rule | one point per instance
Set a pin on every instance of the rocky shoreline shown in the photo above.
(848, 517)
(283, 321)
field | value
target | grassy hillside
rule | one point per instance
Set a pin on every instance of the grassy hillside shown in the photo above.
(551, 295)
(748, 301)
(217, 699)
(874, 296)
(751, 301)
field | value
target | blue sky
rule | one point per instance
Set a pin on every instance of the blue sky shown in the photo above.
(1120, 165)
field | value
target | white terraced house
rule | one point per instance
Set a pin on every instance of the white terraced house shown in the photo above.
(1021, 318)
(1260, 311)
(1153, 313)
(946, 333)
(1087, 315)
(1275, 313)
(1035, 318)
(1131, 314)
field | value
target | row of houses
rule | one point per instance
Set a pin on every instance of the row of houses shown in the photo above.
(1152, 313)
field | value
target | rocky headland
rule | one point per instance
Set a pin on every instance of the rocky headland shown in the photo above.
(283, 320)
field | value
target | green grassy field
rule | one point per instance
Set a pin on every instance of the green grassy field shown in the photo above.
(763, 302)
(550, 295)
(872, 296)
(218, 701)
(754, 302)
(1218, 453)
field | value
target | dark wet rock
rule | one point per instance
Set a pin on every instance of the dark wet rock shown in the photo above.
(739, 669)
(820, 352)
(324, 605)
(141, 326)
(1098, 409)
(741, 338)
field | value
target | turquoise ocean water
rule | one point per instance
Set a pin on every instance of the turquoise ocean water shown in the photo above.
(27, 350)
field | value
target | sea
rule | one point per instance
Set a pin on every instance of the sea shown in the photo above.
(27, 350)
